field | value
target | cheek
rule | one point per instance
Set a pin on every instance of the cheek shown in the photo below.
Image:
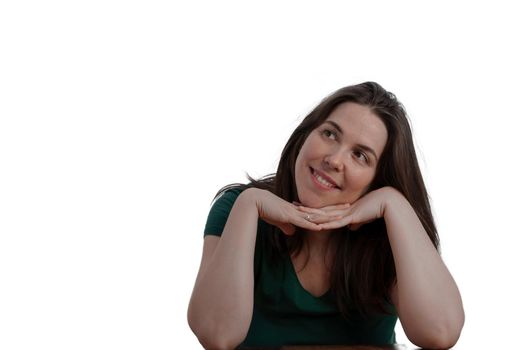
(358, 185)
(311, 145)
(360, 180)
(305, 153)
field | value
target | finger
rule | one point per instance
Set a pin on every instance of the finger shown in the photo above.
(310, 210)
(318, 216)
(330, 213)
(321, 218)
(304, 223)
(340, 212)
(337, 206)
(327, 208)
(336, 223)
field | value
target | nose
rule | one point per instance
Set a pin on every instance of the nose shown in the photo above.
(335, 160)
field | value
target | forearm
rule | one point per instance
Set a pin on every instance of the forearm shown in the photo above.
(429, 302)
(222, 301)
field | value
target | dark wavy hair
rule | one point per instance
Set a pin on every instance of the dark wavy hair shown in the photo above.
(363, 269)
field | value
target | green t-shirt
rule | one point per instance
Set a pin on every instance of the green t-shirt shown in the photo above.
(284, 312)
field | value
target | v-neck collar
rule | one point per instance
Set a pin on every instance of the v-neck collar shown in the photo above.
(292, 271)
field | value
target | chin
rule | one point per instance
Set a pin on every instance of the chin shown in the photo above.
(313, 201)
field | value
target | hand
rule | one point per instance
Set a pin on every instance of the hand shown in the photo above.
(366, 209)
(286, 216)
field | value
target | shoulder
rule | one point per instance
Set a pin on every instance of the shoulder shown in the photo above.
(220, 210)
(227, 195)
(225, 199)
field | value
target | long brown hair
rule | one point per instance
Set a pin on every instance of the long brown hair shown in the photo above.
(363, 269)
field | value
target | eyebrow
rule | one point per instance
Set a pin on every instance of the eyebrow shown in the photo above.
(364, 147)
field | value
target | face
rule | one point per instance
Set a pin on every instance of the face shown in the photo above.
(338, 159)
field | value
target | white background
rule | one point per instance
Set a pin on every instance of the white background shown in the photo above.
(121, 119)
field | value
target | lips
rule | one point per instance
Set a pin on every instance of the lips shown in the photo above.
(324, 177)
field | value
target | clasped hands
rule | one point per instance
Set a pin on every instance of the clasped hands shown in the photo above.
(287, 216)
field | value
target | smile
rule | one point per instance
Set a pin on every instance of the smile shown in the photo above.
(321, 182)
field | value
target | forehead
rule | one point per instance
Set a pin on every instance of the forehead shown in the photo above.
(360, 125)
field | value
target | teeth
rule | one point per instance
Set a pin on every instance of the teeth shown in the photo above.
(323, 181)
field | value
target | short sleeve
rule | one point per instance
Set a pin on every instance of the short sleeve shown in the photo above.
(219, 212)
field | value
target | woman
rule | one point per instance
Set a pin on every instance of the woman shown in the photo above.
(335, 246)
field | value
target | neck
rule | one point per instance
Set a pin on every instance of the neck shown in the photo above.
(319, 243)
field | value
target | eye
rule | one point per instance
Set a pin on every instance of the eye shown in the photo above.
(364, 157)
(329, 133)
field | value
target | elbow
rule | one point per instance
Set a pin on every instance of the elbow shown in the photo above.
(436, 341)
(218, 343)
(441, 337)
(217, 340)
(214, 337)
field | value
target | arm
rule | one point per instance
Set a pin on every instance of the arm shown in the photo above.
(221, 304)
(426, 297)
